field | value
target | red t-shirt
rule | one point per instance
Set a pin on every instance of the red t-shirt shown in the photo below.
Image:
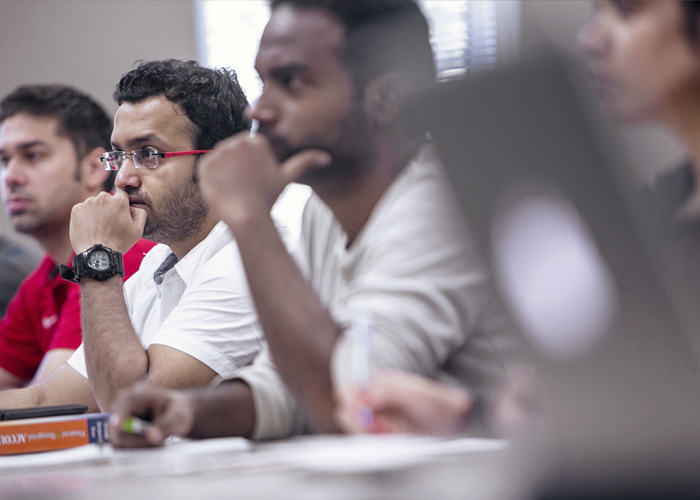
(44, 314)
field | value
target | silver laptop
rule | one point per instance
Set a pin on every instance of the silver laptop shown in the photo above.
(574, 262)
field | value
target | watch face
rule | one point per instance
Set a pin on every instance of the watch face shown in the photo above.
(98, 260)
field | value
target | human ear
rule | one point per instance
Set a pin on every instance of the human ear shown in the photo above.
(382, 96)
(93, 174)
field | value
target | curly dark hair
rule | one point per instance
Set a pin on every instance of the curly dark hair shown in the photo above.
(212, 99)
(79, 116)
(382, 36)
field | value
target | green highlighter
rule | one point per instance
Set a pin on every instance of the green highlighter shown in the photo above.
(134, 425)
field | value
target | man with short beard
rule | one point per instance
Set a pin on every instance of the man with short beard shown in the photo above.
(186, 317)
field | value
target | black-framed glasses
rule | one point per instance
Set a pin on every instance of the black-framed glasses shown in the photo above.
(143, 158)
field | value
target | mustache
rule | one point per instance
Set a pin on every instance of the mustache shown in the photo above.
(16, 193)
(284, 150)
(137, 195)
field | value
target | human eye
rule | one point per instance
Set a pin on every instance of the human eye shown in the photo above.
(4, 160)
(147, 157)
(148, 153)
(294, 83)
(626, 7)
(33, 155)
(291, 79)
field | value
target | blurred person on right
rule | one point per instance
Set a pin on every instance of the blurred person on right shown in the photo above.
(644, 63)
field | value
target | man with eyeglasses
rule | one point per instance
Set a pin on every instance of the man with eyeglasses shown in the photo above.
(186, 317)
(386, 276)
(51, 137)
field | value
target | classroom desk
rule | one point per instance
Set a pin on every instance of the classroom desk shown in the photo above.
(317, 467)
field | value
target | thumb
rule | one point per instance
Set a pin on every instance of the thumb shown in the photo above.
(295, 166)
(138, 215)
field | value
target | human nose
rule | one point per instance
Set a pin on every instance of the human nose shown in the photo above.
(593, 38)
(263, 110)
(128, 175)
(13, 173)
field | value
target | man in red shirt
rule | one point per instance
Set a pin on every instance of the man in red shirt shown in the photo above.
(51, 139)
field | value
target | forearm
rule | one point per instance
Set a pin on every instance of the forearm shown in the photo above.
(114, 356)
(22, 398)
(225, 410)
(10, 381)
(65, 386)
(299, 330)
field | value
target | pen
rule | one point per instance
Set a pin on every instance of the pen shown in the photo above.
(254, 127)
(361, 367)
(134, 425)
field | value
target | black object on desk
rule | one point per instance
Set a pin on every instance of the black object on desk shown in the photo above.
(44, 411)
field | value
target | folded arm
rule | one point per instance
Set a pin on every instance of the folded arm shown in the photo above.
(64, 386)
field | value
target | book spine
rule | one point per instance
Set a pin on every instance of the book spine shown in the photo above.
(98, 429)
(54, 435)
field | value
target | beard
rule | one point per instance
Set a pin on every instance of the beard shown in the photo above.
(29, 226)
(344, 169)
(38, 221)
(178, 215)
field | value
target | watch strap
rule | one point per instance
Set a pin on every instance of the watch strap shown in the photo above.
(81, 268)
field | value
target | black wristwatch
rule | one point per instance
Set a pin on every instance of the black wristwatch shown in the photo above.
(97, 263)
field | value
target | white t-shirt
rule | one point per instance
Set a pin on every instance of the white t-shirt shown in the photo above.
(202, 306)
(413, 269)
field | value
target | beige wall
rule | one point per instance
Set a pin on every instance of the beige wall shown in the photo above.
(91, 43)
(88, 43)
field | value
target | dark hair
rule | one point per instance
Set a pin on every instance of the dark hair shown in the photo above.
(212, 99)
(79, 117)
(382, 36)
(691, 13)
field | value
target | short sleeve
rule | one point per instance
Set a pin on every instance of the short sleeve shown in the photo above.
(215, 319)
(277, 415)
(20, 350)
(68, 332)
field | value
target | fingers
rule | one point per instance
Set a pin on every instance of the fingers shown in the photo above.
(406, 402)
(139, 217)
(106, 219)
(395, 390)
(359, 412)
(519, 408)
(297, 165)
(137, 402)
(177, 417)
(244, 172)
(346, 410)
(167, 413)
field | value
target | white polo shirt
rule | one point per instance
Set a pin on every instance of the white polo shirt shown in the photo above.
(202, 305)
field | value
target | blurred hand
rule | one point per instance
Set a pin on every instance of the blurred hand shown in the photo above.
(242, 176)
(168, 412)
(518, 409)
(106, 219)
(404, 403)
